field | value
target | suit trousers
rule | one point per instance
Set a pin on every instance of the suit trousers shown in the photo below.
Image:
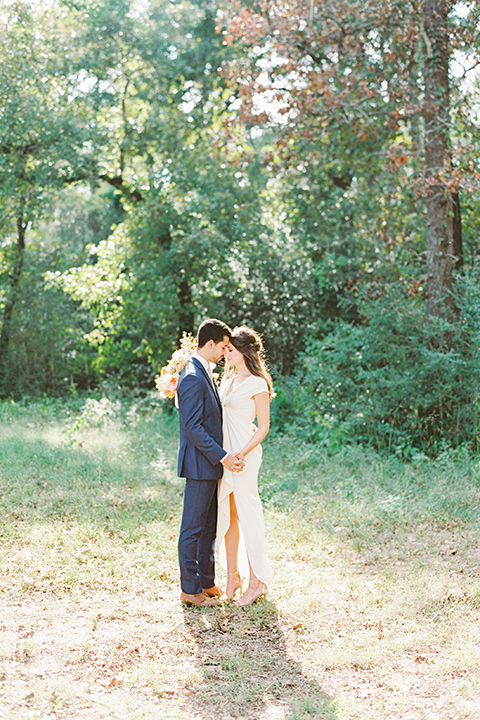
(196, 542)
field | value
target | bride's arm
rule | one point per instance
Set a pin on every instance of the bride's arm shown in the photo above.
(262, 409)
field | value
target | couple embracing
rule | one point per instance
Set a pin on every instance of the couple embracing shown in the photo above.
(219, 457)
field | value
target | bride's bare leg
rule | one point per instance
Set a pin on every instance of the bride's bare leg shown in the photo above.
(232, 539)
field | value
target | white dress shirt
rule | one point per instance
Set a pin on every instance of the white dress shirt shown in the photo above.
(207, 365)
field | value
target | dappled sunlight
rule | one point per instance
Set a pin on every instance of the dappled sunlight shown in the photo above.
(310, 170)
(377, 567)
(109, 475)
(374, 605)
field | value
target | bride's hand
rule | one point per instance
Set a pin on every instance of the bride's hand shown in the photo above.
(240, 460)
(234, 462)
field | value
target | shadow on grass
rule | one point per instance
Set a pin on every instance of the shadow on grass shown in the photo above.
(245, 670)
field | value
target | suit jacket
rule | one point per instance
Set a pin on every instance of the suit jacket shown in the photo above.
(200, 414)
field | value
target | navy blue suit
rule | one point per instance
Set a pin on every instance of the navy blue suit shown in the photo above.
(200, 452)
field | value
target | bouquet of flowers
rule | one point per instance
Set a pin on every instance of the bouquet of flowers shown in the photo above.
(166, 382)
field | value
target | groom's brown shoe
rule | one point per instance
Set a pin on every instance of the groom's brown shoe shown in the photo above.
(199, 599)
(212, 592)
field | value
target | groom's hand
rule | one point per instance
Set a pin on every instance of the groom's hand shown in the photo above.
(234, 463)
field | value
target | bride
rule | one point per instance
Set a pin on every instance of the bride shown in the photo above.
(246, 391)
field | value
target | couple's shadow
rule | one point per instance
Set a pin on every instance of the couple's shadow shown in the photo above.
(244, 670)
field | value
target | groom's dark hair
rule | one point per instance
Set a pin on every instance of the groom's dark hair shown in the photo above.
(212, 329)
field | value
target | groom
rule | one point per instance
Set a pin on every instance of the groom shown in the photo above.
(201, 459)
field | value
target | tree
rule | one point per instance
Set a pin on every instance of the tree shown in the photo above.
(362, 90)
(194, 241)
(155, 97)
(41, 136)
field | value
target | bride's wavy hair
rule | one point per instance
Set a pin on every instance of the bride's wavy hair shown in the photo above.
(250, 344)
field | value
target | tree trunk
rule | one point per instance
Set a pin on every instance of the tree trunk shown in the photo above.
(13, 295)
(186, 316)
(440, 205)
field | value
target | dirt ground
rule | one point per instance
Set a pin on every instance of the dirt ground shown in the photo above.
(93, 656)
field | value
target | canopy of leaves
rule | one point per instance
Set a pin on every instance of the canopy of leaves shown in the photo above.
(263, 162)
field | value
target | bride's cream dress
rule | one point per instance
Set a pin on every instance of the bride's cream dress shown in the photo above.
(238, 416)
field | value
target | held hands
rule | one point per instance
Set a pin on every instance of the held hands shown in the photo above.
(234, 462)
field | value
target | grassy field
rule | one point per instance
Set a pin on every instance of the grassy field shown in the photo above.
(374, 612)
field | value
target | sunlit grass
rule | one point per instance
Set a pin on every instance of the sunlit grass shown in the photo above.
(373, 613)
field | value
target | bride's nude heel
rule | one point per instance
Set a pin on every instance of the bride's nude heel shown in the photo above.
(237, 585)
(259, 593)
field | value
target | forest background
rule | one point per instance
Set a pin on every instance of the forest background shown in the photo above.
(307, 168)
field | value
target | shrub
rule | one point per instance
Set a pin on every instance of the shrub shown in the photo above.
(397, 380)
